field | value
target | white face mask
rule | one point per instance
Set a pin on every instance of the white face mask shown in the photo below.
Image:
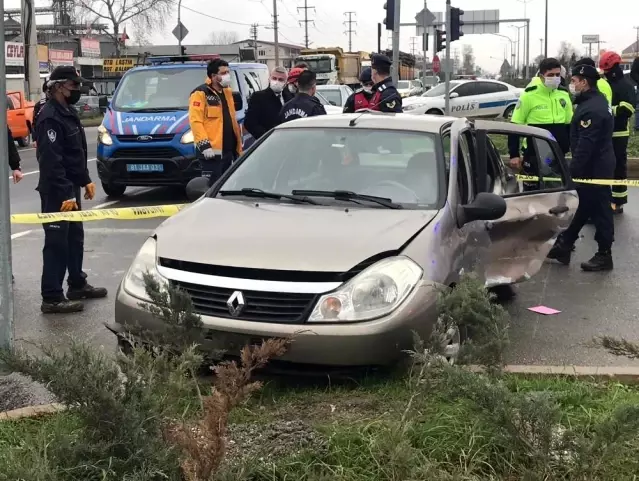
(552, 82)
(368, 90)
(225, 81)
(292, 88)
(572, 89)
(277, 86)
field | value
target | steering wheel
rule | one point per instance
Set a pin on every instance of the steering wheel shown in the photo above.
(393, 183)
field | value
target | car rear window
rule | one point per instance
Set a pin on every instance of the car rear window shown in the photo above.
(401, 165)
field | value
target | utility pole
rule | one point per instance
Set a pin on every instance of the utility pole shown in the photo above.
(448, 66)
(276, 39)
(425, 45)
(396, 42)
(350, 30)
(413, 45)
(31, 65)
(306, 21)
(541, 47)
(6, 289)
(637, 44)
(546, 33)
(527, 51)
(253, 31)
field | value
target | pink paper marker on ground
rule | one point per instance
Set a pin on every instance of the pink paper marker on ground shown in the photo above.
(547, 311)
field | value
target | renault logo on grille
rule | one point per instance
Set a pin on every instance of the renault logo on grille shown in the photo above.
(144, 138)
(236, 303)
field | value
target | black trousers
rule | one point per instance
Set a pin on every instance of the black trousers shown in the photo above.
(620, 192)
(214, 168)
(63, 250)
(594, 203)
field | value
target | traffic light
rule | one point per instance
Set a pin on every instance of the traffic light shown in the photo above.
(440, 40)
(389, 21)
(456, 23)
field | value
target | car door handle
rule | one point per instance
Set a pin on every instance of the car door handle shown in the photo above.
(559, 209)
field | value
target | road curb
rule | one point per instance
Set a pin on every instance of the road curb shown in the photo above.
(31, 411)
(621, 373)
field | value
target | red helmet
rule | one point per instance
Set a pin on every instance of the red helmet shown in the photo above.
(608, 60)
(294, 75)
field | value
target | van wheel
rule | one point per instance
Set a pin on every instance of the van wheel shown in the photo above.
(509, 112)
(434, 112)
(113, 190)
(24, 141)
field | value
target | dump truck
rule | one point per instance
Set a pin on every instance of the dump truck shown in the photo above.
(332, 65)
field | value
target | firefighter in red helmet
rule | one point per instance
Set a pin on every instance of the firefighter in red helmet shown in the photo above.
(623, 107)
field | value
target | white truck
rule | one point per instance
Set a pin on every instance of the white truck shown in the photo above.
(332, 66)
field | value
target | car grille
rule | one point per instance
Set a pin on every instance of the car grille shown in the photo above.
(276, 307)
(156, 137)
(146, 153)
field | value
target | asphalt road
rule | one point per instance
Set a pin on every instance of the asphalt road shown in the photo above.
(592, 304)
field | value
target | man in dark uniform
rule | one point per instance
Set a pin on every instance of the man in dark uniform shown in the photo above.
(304, 104)
(386, 98)
(593, 157)
(40, 103)
(62, 155)
(360, 99)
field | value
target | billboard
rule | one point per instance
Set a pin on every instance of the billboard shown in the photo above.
(14, 54)
(43, 58)
(60, 57)
(90, 47)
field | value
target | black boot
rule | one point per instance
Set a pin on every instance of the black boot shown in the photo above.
(86, 292)
(64, 306)
(560, 253)
(601, 261)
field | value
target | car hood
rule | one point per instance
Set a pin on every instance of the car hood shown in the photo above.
(265, 235)
(146, 123)
(417, 100)
(333, 110)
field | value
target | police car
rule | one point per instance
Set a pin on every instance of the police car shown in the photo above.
(468, 98)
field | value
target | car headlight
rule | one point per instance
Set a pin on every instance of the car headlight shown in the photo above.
(103, 136)
(374, 292)
(145, 261)
(187, 138)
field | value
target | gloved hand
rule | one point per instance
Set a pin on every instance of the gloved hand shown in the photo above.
(69, 205)
(208, 154)
(89, 191)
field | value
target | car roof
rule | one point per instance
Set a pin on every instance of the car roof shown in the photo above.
(202, 64)
(373, 120)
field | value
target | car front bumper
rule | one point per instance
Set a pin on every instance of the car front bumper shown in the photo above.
(176, 170)
(373, 343)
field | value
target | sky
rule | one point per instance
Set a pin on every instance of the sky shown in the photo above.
(568, 21)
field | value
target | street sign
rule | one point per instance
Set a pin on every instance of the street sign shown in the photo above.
(475, 21)
(590, 39)
(117, 64)
(436, 64)
(430, 18)
(180, 31)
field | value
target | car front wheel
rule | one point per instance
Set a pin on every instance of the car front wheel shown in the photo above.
(113, 190)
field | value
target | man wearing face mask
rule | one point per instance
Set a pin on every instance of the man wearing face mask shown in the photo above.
(62, 155)
(217, 135)
(542, 104)
(592, 158)
(623, 107)
(293, 77)
(602, 84)
(360, 99)
(385, 98)
(264, 106)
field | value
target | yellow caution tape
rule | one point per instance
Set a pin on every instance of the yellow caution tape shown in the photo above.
(126, 213)
(610, 182)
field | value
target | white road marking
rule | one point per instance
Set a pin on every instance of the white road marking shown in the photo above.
(17, 235)
(37, 171)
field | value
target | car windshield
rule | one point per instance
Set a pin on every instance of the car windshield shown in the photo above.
(160, 89)
(321, 98)
(332, 95)
(439, 90)
(416, 83)
(317, 65)
(402, 84)
(402, 166)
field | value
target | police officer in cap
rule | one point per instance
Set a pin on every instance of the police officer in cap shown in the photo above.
(304, 104)
(593, 157)
(385, 98)
(361, 98)
(62, 155)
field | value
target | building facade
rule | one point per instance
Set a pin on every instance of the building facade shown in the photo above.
(265, 52)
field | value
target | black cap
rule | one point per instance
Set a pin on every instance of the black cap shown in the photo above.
(586, 71)
(366, 76)
(585, 61)
(379, 60)
(66, 72)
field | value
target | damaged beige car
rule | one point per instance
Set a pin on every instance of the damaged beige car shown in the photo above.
(343, 229)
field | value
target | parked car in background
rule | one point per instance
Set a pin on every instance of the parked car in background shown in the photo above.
(405, 88)
(329, 107)
(336, 94)
(468, 98)
(20, 117)
(418, 87)
(88, 106)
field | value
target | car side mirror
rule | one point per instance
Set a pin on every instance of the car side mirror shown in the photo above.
(238, 101)
(486, 206)
(196, 188)
(453, 95)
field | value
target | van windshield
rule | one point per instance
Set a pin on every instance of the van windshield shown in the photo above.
(160, 89)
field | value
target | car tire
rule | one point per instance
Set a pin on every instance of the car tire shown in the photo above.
(434, 112)
(24, 141)
(508, 113)
(113, 190)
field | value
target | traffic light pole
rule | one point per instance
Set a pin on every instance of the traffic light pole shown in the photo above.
(396, 24)
(447, 65)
